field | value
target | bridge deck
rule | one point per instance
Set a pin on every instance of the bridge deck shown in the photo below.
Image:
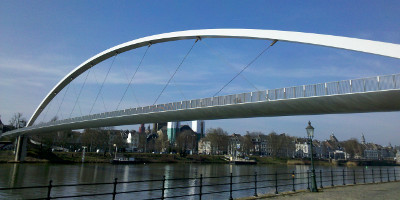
(375, 94)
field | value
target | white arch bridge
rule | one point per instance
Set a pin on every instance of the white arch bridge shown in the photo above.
(374, 94)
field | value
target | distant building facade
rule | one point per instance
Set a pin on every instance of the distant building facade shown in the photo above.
(204, 147)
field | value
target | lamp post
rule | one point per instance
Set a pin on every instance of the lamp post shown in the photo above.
(115, 154)
(83, 153)
(310, 134)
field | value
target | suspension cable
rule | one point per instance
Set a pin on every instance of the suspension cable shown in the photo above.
(176, 70)
(176, 85)
(47, 110)
(101, 95)
(248, 65)
(59, 107)
(75, 93)
(131, 88)
(223, 58)
(102, 84)
(133, 76)
(80, 91)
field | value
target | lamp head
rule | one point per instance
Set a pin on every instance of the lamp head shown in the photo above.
(310, 130)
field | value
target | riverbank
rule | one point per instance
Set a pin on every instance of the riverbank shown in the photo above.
(39, 156)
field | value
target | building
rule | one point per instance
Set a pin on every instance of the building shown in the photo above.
(371, 154)
(302, 148)
(260, 143)
(132, 141)
(172, 128)
(1, 126)
(235, 145)
(398, 157)
(340, 155)
(142, 128)
(204, 147)
(198, 126)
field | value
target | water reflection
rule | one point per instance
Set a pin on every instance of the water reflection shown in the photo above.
(16, 175)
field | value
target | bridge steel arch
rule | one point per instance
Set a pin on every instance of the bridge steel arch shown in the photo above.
(353, 44)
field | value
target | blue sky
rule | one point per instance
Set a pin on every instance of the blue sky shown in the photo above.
(42, 41)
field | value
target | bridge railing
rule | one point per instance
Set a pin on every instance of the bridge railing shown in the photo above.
(232, 186)
(370, 84)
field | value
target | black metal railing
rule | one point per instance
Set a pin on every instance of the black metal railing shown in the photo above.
(221, 186)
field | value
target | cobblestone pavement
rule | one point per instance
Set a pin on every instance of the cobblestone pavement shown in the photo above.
(379, 191)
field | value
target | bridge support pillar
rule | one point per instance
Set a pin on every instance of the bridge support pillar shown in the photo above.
(20, 150)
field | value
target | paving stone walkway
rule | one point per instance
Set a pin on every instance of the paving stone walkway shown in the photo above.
(390, 190)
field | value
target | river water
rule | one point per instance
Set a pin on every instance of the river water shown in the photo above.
(17, 175)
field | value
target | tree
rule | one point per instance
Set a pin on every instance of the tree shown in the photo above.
(280, 145)
(247, 144)
(48, 139)
(97, 138)
(186, 141)
(162, 142)
(17, 121)
(352, 147)
(219, 140)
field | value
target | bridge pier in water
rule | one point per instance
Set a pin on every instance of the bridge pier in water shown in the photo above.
(20, 150)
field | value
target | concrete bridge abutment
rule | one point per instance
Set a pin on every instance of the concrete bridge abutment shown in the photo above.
(20, 150)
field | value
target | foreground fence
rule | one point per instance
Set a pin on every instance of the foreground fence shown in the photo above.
(230, 186)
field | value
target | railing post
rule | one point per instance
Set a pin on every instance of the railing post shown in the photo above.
(380, 173)
(338, 87)
(326, 89)
(344, 178)
(294, 92)
(284, 93)
(49, 189)
(276, 182)
(255, 184)
(293, 182)
(230, 189)
(315, 90)
(394, 173)
(115, 188)
(320, 178)
(387, 169)
(308, 179)
(354, 176)
(163, 188)
(201, 186)
(373, 179)
(331, 177)
(364, 85)
(378, 79)
(351, 87)
(363, 174)
(304, 91)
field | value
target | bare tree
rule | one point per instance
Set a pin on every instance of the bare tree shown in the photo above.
(219, 140)
(17, 121)
(353, 147)
(95, 139)
(186, 141)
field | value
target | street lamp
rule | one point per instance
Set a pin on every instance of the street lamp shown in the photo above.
(310, 134)
(83, 153)
(115, 154)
